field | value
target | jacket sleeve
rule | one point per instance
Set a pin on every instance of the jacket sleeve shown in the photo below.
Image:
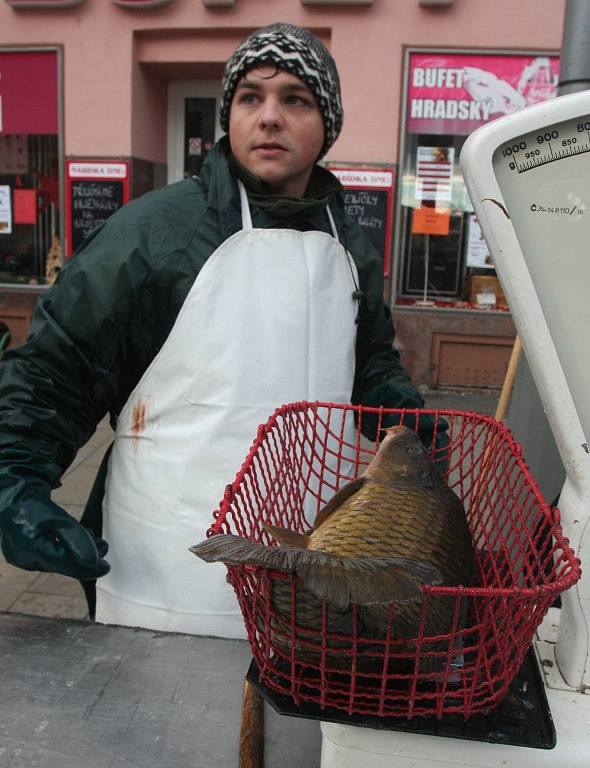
(56, 387)
(380, 378)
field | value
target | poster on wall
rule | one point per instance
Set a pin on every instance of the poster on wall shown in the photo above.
(25, 206)
(454, 94)
(478, 254)
(434, 173)
(5, 210)
(368, 199)
(94, 191)
(14, 154)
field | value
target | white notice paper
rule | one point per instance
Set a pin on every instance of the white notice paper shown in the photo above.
(478, 254)
(5, 210)
(434, 173)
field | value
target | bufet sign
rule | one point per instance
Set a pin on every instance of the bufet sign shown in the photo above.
(28, 92)
(453, 94)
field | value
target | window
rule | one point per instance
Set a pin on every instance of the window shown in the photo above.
(449, 95)
(30, 231)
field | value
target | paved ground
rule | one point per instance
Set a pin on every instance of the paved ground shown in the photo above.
(52, 595)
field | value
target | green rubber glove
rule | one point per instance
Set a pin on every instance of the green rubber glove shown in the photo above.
(37, 535)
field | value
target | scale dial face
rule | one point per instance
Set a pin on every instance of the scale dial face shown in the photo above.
(544, 178)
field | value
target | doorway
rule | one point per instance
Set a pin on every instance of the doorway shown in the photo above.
(193, 125)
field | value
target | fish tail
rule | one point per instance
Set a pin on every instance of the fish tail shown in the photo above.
(287, 538)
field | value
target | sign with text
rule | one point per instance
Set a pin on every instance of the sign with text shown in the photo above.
(94, 191)
(430, 221)
(28, 92)
(368, 199)
(454, 94)
(434, 173)
(478, 253)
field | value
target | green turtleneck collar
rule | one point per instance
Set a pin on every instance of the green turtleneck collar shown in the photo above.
(322, 184)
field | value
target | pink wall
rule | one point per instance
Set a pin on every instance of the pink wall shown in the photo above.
(115, 58)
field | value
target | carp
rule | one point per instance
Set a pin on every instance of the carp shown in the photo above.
(375, 544)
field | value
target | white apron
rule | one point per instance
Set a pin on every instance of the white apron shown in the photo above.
(270, 319)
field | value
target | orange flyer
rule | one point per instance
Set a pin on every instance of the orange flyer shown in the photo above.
(431, 221)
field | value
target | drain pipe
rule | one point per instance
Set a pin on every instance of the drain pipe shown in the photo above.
(574, 63)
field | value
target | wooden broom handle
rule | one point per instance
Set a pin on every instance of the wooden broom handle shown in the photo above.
(502, 406)
(252, 730)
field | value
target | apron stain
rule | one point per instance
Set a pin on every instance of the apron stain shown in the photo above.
(138, 418)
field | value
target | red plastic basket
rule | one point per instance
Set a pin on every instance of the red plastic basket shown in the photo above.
(522, 562)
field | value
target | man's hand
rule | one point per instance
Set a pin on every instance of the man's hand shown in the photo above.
(37, 535)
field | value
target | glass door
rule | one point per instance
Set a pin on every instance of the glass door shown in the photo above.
(193, 125)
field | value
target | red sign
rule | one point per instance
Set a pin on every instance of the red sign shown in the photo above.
(368, 199)
(95, 189)
(453, 94)
(28, 92)
(25, 206)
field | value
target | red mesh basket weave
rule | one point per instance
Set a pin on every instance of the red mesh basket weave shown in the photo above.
(522, 562)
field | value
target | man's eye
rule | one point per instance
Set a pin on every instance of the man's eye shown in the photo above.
(297, 100)
(248, 98)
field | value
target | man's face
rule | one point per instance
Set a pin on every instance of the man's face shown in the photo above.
(276, 130)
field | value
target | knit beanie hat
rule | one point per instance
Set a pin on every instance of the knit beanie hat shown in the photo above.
(297, 51)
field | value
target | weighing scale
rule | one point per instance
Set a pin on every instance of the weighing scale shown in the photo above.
(528, 176)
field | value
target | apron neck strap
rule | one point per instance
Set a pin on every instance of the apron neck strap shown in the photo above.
(247, 216)
(332, 224)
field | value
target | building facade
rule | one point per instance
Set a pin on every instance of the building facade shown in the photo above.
(103, 100)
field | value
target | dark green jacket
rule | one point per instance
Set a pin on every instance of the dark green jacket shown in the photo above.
(97, 329)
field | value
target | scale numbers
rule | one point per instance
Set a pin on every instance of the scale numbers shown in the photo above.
(547, 145)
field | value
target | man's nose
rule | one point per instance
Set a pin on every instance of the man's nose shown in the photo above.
(271, 114)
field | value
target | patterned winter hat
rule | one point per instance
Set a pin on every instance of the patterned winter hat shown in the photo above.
(297, 51)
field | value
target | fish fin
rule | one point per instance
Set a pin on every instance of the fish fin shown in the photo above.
(337, 500)
(397, 576)
(324, 575)
(286, 537)
(339, 580)
(235, 550)
(364, 581)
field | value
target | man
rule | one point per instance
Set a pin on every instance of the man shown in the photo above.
(189, 316)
